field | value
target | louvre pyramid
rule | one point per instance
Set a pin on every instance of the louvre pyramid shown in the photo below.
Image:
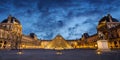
(58, 43)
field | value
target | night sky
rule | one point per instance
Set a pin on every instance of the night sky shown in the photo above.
(70, 18)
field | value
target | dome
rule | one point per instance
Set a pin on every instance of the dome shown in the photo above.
(11, 19)
(108, 18)
(32, 35)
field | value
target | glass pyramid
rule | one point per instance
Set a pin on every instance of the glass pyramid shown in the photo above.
(58, 43)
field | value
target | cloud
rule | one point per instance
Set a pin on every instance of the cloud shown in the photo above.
(66, 17)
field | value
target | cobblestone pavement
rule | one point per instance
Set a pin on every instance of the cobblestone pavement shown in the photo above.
(76, 54)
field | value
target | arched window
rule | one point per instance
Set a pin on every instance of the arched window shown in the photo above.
(115, 43)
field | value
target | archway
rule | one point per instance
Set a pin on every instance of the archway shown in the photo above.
(115, 43)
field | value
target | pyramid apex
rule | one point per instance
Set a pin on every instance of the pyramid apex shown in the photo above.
(58, 35)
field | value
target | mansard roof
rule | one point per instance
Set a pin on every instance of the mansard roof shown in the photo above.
(108, 18)
(12, 19)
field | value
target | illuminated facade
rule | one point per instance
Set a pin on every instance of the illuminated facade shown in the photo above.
(30, 41)
(10, 33)
(11, 36)
(110, 29)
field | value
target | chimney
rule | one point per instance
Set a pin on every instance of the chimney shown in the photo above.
(110, 17)
(9, 18)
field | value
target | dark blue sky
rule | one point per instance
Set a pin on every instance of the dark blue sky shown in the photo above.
(70, 18)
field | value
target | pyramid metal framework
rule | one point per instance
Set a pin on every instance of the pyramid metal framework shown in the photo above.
(58, 43)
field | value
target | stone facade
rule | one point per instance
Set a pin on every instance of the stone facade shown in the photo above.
(109, 29)
(10, 33)
(11, 36)
(29, 42)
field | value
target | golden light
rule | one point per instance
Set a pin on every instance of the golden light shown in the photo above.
(9, 45)
(59, 53)
(23, 45)
(98, 52)
(19, 52)
(60, 48)
(96, 45)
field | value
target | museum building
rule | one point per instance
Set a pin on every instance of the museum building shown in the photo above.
(11, 36)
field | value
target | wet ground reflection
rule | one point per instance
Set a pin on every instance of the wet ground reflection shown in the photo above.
(76, 54)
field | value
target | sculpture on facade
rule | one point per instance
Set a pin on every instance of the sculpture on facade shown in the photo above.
(101, 35)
